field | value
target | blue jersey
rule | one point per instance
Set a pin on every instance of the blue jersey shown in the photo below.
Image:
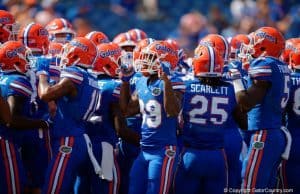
(293, 107)
(73, 111)
(207, 112)
(157, 129)
(15, 84)
(268, 114)
(101, 122)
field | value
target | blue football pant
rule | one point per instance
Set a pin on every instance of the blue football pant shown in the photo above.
(201, 171)
(12, 177)
(233, 145)
(290, 169)
(69, 154)
(126, 155)
(262, 161)
(36, 154)
(152, 171)
(89, 182)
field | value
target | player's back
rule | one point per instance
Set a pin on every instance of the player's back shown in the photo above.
(101, 122)
(268, 114)
(207, 111)
(73, 111)
(293, 107)
(17, 85)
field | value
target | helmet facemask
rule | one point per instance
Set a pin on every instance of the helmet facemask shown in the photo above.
(148, 62)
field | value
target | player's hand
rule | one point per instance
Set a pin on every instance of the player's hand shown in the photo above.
(234, 71)
(126, 72)
(164, 71)
(42, 66)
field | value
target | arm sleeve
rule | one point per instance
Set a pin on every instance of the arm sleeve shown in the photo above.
(260, 69)
(20, 87)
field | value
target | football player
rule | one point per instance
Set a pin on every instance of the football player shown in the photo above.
(36, 148)
(209, 105)
(104, 123)
(233, 139)
(9, 28)
(292, 165)
(77, 97)
(264, 100)
(16, 90)
(126, 151)
(159, 101)
(60, 30)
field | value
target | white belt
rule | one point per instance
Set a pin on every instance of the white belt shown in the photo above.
(97, 168)
(285, 155)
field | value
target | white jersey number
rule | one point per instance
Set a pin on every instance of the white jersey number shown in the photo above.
(151, 113)
(296, 106)
(286, 91)
(217, 115)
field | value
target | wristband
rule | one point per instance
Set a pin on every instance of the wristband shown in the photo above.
(238, 85)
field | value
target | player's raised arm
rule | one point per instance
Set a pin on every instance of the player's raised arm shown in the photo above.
(129, 104)
(172, 99)
(65, 87)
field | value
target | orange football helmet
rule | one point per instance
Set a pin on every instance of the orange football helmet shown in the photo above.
(97, 37)
(13, 57)
(294, 58)
(140, 45)
(219, 43)
(8, 28)
(60, 30)
(207, 62)
(125, 40)
(108, 59)
(55, 49)
(35, 37)
(80, 51)
(266, 41)
(155, 53)
(137, 34)
(236, 43)
(290, 45)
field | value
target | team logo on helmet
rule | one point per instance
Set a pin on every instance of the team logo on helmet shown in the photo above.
(43, 32)
(107, 53)
(5, 20)
(165, 49)
(264, 35)
(80, 45)
(14, 53)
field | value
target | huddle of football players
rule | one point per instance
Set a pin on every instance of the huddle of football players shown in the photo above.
(135, 115)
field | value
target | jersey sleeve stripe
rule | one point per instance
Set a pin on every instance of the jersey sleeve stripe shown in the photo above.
(21, 89)
(23, 84)
(260, 75)
(261, 67)
(72, 76)
(116, 91)
(178, 87)
(260, 71)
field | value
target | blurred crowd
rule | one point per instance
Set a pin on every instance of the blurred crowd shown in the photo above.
(186, 21)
